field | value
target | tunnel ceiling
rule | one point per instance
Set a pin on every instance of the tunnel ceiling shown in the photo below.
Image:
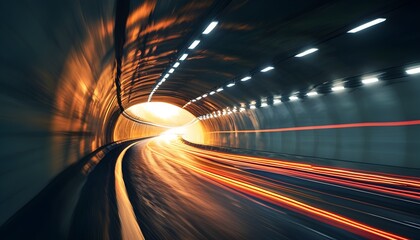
(253, 34)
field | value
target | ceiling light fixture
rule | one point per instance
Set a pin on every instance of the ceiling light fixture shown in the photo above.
(166, 76)
(307, 52)
(293, 98)
(264, 104)
(337, 88)
(245, 78)
(205, 95)
(370, 80)
(198, 98)
(176, 64)
(183, 57)
(367, 25)
(230, 85)
(210, 27)
(194, 44)
(171, 70)
(412, 71)
(312, 93)
(219, 90)
(269, 68)
(276, 101)
(212, 92)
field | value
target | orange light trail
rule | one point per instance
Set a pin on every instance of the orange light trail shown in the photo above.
(333, 126)
(202, 163)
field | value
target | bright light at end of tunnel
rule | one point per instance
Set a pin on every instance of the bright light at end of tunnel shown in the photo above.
(412, 71)
(367, 25)
(210, 27)
(266, 69)
(173, 133)
(162, 110)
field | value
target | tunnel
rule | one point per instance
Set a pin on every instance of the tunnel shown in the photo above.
(227, 119)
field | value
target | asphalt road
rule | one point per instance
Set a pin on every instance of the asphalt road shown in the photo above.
(181, 192)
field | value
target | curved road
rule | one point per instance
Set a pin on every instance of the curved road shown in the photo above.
(182, 192)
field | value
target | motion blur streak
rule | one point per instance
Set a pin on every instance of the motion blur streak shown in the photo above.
(250, 177)
(334, 126)
(358, 179)
(129, 227)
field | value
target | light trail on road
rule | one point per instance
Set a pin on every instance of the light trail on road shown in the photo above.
(364, 204)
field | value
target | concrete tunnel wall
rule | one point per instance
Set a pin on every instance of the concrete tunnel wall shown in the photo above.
(380, 102)
(57, 92)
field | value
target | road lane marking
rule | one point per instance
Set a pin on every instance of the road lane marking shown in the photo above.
(129, 226)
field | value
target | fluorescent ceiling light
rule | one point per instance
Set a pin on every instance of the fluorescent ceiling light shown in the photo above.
(230, 85)
(210, 27)
(198, 98)
(413, 70)
(193, 100)
(309, 51)
(264, 104)
(252, 107)
(337, 88)
(167, 75)
(369, 80)
(183, 57)
(159, 83)
(194, 44)
(245, 78)
(276, 101)
(269, 68)
(293, 98)
(205, 95)
(163, 80)
(212, 92)
(176, 64)
(241, 109)
(219, 90)
(367, 25)
(171, 70)
(313, 93)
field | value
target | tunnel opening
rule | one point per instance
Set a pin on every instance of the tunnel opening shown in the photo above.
(158, 118)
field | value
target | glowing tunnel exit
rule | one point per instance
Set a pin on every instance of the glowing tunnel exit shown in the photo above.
(176, 121)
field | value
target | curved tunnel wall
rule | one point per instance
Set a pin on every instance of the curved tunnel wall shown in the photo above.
(380, 102)
(57, 91)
